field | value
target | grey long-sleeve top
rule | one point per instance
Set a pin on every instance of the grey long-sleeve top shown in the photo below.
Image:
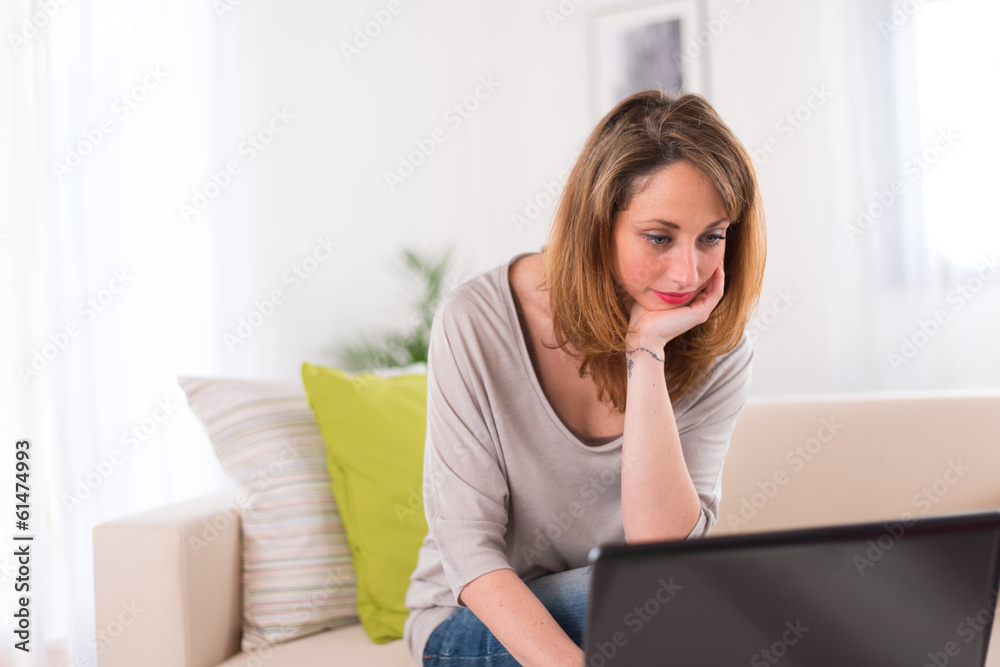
(506, 483)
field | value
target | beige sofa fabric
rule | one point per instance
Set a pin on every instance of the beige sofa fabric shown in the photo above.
(825, 460)
(342, 646)
(179, 568)
(184, 592)
(793, 462)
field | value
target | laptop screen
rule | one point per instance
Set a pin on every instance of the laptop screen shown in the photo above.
(870, 594)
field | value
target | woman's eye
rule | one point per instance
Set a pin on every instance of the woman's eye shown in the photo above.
(656, 240)
(714, 239)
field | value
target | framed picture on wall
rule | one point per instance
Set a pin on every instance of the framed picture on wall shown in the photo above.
(647, 46)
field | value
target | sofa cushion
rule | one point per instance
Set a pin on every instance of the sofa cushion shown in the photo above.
(343, 646)
(374, 431)
(298, 578)
(819, 460)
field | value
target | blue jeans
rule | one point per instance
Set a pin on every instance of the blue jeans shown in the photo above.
(462, 640)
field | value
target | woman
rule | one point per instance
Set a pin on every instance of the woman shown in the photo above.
(587, 393)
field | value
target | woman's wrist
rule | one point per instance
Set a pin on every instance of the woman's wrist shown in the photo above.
(650, 346)
(645, 353)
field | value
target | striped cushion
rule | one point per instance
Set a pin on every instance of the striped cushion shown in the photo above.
(298, 577)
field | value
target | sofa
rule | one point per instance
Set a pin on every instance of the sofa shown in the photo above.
(793, 462)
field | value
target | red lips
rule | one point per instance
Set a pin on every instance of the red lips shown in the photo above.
(674, 297)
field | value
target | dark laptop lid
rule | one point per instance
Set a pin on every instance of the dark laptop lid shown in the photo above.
(875, 594)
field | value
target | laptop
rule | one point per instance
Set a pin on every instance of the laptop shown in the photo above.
(913, 593)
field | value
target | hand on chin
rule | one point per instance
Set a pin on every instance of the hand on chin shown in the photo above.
(663, 325)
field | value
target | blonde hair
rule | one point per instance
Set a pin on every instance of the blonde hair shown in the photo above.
(643, 134)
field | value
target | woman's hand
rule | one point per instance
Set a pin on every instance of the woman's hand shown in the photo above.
(665, 325)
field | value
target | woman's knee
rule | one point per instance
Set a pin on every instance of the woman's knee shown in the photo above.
(462, 637)
(572, 583)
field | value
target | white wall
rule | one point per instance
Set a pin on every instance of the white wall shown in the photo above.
(325, 175)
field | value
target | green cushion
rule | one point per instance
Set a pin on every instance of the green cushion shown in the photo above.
(373, 428)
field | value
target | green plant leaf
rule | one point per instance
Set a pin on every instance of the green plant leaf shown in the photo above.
(408, 347)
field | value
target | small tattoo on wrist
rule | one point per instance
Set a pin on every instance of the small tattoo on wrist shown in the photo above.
(629, 352)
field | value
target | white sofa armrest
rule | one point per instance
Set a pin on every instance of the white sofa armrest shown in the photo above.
(167, 585)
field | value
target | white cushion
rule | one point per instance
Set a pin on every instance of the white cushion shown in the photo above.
(298, 578)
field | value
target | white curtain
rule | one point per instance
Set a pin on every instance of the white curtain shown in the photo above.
(890, 293)
(110, 119)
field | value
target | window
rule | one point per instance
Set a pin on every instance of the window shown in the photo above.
(957, 77)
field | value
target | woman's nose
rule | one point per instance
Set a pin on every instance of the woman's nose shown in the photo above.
(682, 268)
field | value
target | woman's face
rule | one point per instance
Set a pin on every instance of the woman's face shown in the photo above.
(671, 238)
